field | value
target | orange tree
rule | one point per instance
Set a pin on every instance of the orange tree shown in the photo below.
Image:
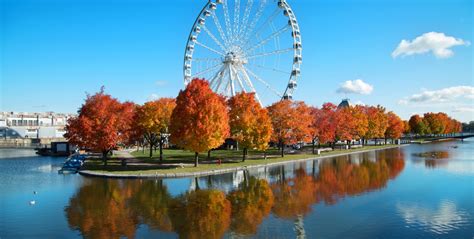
(378, 123)
(199, 121)
(153, 121)
(324, 123)
(101, 125)
(395, 128)
(345, 124)
(249, 124)
(291, 122)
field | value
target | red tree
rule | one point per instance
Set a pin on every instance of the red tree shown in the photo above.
(102, 124)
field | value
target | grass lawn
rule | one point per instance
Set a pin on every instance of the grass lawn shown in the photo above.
(173, 159)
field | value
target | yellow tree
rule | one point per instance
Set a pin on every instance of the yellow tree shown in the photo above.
(378, 122)
(249, 124)
(199, 121)
(153, 121)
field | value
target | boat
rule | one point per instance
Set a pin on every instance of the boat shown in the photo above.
(73, 164)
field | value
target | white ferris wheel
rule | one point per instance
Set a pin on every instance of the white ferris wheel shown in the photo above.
(246, 45)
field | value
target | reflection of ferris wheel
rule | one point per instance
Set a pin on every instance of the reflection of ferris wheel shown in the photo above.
(246, 45)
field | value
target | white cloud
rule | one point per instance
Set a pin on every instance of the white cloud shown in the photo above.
(440, 96)
(442, 220)
(355, 87)
(359, 102)
(435, 42)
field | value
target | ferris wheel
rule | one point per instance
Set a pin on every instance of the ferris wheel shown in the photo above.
(246, 46)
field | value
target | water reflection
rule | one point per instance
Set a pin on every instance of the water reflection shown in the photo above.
(445, 218)
(236, 203)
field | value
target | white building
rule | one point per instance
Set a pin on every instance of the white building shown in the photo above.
(33, 125)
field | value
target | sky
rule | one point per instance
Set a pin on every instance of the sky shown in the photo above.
(411, 56)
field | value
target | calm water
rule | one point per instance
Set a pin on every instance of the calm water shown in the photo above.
(383, 194)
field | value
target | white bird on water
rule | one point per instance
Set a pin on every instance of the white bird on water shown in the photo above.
(32, 202)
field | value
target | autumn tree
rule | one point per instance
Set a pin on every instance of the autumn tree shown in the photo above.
(325, 123)
(434, 122)
(406, 127)
(351, 123)
(291, 122)
(101, 125)
(314, 129)
(199, 121)
(153, 121)
(417, 125)
(395, 126)
(249, 123)
(377, 122)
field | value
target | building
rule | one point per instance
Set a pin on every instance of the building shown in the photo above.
(345, 103)
(33, 125)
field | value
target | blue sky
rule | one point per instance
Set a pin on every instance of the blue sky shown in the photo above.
(54, 51)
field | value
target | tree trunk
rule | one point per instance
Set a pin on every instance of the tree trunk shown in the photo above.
(282, 149)
(244, 155)
(314, 145)
(104, 156)
(151, 149)
(209, 155)
(265, 154)
(161, 148)
(196, 159)
(385, 140)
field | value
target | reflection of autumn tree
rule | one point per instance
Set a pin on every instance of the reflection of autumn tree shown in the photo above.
(99, 210)
(251, 203)
(200, 214)
(150, 202)
(294, 196)
(339, 177)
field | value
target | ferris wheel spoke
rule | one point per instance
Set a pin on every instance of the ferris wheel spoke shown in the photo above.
(263, 82)
(262, 27)
(209, 48)
(241, 84)
(236, 17)
(254, 21)
(277, 52)
(245, 19)
(264, 41)
(214, 38)
(232, 80)
(269, 68)
(227, 21)
(206, 59)
(219, 28)
(249, 83)
(217, 76)
(207, 70)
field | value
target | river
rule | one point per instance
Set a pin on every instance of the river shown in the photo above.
(393, 193)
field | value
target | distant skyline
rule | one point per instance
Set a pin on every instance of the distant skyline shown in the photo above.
(410, 56)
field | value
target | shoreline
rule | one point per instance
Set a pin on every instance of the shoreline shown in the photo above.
(89, 173)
